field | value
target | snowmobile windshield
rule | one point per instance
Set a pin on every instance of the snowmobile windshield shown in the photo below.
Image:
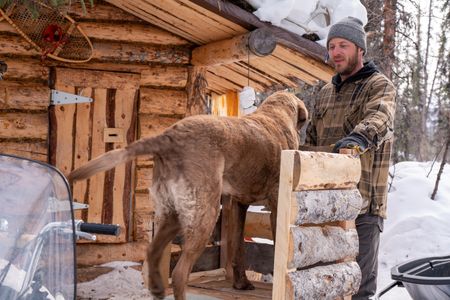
(37, 254)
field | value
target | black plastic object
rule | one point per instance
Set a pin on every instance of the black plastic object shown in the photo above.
(425, 278)
(107, 229)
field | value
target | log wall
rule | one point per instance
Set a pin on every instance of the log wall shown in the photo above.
(122, 43)
(314, 260)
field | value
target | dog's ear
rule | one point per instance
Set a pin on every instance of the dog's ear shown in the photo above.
(302, 116)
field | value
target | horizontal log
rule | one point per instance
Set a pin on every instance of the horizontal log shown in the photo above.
(167, 76)
(132, 33)
(95, 79)
(258, 225)
(312, 245)
(257, 43)
(319, 170)
(325, 282)
(101, 12)
(163, 101)
(24, 70)
(129, 32)
(144, 178)
(36, 150)
(97, 254)
(139, 53)
(322, 206)
(151, 75)
(151, 125)
(107, 51)
(32, 97)
(24, 125)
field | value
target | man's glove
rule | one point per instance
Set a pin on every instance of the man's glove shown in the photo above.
(352, 141)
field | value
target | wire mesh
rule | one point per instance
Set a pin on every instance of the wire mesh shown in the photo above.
(73, 45)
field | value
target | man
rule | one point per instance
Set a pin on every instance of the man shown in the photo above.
(356, 110)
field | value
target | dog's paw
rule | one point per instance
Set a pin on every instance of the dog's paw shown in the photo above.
(157, 291)
(243, 284)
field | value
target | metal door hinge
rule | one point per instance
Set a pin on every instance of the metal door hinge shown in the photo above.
(60, 98)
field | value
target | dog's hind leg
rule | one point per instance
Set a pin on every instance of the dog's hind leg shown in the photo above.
(240, 280)
(169, 226)
(197, 231)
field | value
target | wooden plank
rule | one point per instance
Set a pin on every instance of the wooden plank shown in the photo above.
(326, 244)
(283, 69)
(252, 74)
(223, 289)
(208, 260)
(151, 75)
(144, 178)
(222, 85)
(124, 110)
(36, 149)
(27, 97)
(81, 148)
(151, 15)
(236, 77)
(101, 12)
(65, 118)
(96, 79)
(283, 224)
(23, 125)
(16, 45)
(315, 68)
(163, 101)
(23, 69)
(131, 33)
(258, 225)
(96, 182)
(151, 125)
(167, 76)
(321, 170)
(335, 281)
(315, 207)
(97, 254)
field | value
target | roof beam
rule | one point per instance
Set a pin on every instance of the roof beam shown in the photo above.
(258, 43)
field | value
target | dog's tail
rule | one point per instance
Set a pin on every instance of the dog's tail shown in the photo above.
(113, 158)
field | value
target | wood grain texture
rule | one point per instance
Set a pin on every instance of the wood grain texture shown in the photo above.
(326, 282)
(319, 170)
(325, 206)
(322, 244)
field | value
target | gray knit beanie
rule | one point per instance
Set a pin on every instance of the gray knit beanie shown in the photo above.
(351, 29)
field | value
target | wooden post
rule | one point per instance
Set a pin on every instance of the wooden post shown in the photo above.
(258, 43)
(196, 91)
(317, 188)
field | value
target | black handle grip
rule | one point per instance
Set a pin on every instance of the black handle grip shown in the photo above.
(107, 229)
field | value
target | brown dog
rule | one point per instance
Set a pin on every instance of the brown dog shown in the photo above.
(196, 161)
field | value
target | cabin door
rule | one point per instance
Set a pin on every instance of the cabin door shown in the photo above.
(83, 131)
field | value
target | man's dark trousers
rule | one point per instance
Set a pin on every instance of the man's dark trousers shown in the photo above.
(369, 228)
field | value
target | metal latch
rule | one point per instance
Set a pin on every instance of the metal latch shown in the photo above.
(59, 97)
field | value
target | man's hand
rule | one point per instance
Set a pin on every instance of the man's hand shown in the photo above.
(352, 141)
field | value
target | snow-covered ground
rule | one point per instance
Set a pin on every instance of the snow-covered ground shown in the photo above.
(416, 227)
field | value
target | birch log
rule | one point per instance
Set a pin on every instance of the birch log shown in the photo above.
(312, 245)
(317, 207)
(326, 282)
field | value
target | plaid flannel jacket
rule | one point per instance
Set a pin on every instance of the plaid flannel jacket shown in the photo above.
(364, 104)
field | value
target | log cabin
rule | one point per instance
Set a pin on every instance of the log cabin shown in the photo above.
(153, 63)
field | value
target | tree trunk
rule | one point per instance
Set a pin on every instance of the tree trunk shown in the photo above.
(389, 36)
(441, 169)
